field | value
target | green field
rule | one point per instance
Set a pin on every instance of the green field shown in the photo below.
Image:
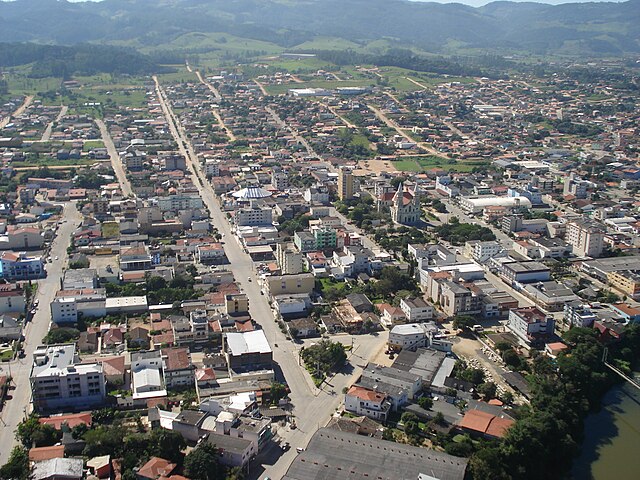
(300, 66)
(181, 76)
(421, 164)
(91, 144)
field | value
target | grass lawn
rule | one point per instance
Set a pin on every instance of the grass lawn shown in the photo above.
(91, 144)
(329, 283)
(182, 76)
(407, 165)
(53, 162)
(23, 85)
(6, 355)
(126, 97)
(302, 65)
(420, 164)
(110, 230)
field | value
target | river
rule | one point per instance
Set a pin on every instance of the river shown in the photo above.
(612, 436)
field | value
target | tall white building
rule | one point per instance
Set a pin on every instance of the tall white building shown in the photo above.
(254, 216)
(586, 238)
(289, 259)
(481, 251)
(60, 381)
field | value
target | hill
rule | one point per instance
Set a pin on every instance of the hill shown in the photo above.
(592, 29)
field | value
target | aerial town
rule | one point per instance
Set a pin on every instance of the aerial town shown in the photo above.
(356, 279)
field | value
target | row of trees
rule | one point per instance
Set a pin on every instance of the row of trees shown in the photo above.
(547, 435)
(457, 233)
(109, 437)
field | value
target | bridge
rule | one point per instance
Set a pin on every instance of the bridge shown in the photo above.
(624, 376)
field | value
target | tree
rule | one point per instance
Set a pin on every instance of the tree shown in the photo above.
(411, 425)
(278, 392)
(102, 416)
(324, 357)
(202, 463)
(439, 419)
(17, 467)
(463, 322)
(463, 448)
(167, 444)
(512, 359)
(426, 403)
(488, 390)
(33, 433)
(61, 335)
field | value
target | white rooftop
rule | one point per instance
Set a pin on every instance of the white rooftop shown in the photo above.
(251, 192)
(408, 329)
(460, 267)
(247, 342)
(60, 360)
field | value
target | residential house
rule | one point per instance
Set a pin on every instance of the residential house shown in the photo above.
(363, 401)
(12, 298)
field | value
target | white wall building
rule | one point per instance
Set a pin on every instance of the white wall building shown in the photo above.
(586, 238)
(59, 380)
(416, 309)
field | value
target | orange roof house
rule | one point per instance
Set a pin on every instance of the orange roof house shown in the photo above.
(484, 424)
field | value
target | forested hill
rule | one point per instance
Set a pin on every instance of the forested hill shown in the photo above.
(579, 29)
(84, 59)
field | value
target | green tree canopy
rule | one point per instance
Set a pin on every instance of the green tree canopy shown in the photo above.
(202, 463)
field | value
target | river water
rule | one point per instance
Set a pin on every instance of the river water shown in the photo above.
(612, 436)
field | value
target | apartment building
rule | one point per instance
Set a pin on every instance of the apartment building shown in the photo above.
(178, 202)
(20, 266)
(531, 325)
(627, 282)
(453, 298)
(578, 314)
(586, 238)
(416, 309)
(345, 184)
(289, 260)
(481, 251)
(60, 381)
(253, 216)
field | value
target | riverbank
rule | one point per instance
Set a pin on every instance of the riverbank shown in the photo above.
(612, 436)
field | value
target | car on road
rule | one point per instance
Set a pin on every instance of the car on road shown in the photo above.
(286, 446)
(299, 449)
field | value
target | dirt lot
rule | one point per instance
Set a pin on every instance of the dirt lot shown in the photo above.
(100, 261)
(374, 166)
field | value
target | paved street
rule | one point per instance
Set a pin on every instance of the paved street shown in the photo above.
(116, 163)
(312, 407)
(14, 409)
(46, 136)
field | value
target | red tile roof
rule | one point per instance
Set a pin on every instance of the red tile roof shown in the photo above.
(72, 420)
(366, 394)
(156, 467)
(485, 423)
(38, 454)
